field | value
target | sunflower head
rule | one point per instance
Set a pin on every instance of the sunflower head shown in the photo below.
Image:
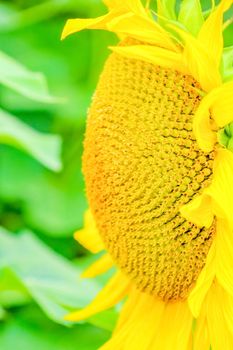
(158, 166)
(145, 155)
(141, 164)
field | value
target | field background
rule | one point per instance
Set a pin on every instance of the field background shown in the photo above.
(42, 196)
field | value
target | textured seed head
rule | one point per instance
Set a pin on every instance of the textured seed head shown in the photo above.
(141, 164)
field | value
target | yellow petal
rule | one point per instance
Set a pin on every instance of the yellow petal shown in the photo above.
(220, 336)
(110, 295)
(149, 323)
(224, 256)
(175, 328)
(89, 236)
(202, 127)
(222, 106)
(199, 61)
(220, 257)
(201, 337)
(215, 323)
(153, 54)
(221, 189)
(128, 308)
(217, 199)
(228, 310)
(142, 28)
(102, 265)
(144, 323)
(211, 33)
(218, 106)
(199, 211)
(78, 24)
(138, 326)
(134, 6)
(203, 283)
(116, 7)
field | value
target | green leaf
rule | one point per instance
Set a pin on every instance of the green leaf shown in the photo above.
(29, 84)
(2, 313)
(62, 212)
(52, 281)
(191, 15)
(7, 15)
(166, 9)
(29, 329)
(227, 64)
(45, 148)
(12, 291)
(166, 15)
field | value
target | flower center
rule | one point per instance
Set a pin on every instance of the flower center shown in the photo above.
(141, 164)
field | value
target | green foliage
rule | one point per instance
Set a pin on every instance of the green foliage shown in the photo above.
(42, 197)
(227, 63)
(57, 208)
(167, 9)
(191, 16)
(56, 289)
(29, 84)
(29, 329)
(45, 148)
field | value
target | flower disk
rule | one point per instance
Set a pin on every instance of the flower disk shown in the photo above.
(141, 164)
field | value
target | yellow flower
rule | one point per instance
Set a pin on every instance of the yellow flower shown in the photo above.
(158, 165)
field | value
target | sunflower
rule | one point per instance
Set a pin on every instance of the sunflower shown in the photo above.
(158, 166)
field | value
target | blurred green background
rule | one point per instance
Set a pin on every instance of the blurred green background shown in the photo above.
(42, 196)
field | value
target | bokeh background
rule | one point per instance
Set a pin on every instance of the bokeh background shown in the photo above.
(42, 196)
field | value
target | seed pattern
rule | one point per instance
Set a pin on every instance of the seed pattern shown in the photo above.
(141, 164)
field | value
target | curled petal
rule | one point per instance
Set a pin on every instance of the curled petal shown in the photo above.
(153, 54)
(211, 33)
(217, 107)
